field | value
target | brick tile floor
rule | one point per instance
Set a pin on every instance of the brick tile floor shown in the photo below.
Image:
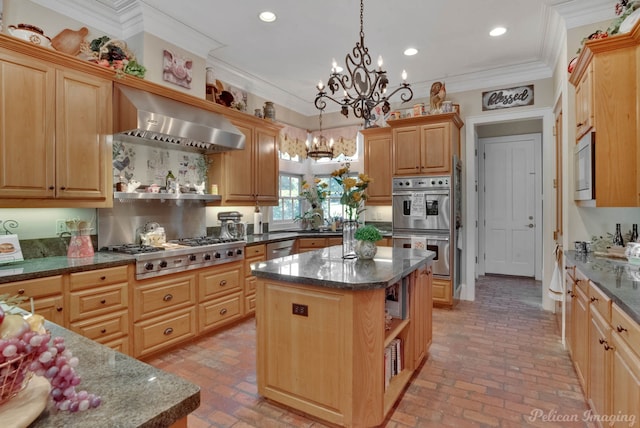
(494, 362)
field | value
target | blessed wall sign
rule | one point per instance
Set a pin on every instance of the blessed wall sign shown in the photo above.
(507, 98)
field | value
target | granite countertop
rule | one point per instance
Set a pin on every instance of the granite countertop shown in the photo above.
(276, 236)
(617, 278)
(49, 266)
(325, 267)
(134, 394)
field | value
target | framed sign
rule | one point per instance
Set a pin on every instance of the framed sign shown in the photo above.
(507, 98)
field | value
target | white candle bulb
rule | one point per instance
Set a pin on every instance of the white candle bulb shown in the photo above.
(404, 75)
(320, 85)
(380, 61)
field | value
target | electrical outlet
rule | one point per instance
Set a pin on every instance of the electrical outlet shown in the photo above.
(61, 226)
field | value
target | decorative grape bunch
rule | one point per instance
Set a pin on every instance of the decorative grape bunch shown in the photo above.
(50, 358)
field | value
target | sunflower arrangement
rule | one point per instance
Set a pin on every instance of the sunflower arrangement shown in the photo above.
(353, 191)
(315, 193)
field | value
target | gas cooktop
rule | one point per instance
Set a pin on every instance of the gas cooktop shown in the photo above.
(181, 254)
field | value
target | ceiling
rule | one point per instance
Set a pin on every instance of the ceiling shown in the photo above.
(284, 60)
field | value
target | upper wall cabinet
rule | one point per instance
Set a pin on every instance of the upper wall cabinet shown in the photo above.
(249, 176)
(425, 145)
(606, 77)
(55, 124)
(377, 164)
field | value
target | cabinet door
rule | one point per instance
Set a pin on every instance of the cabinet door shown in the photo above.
(266, 168)
(435, 149)
(27, 93)
(625, 381)
(580, 315)
(377, 165)
(584, 103)
(406, 151)
(83, 122)
(421, 315)
(238, 176)
(599, 364)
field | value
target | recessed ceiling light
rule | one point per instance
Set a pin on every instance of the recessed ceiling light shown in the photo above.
(267, 16)
(410, 51)
(498, 31)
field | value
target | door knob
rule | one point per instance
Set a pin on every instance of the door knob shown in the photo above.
(530, 225)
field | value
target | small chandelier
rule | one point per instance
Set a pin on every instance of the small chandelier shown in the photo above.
(363, 89)
(320, 148)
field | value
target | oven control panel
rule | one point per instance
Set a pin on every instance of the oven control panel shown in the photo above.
(414, 183)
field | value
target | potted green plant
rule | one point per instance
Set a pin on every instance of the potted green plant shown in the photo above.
(366, 238)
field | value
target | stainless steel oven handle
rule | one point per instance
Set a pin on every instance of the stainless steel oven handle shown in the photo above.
(420, 235)
(426, 192)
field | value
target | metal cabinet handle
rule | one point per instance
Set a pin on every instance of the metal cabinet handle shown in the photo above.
(103, 331)
(223, 283)
(601, 340)
(594, 299)
(223, 311)
(63, 188)
(59, 308)
(607, 347)
(102, 278)
(103, 301)
(168, 297)
(21, 291)
(168, 331)
(620, 328)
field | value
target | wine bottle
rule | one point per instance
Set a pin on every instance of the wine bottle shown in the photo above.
(170, 180)
(634, 233)
(617, 239)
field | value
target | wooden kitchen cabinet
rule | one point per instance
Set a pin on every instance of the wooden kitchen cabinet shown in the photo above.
(56, 121)
(421, 314)
(425, 144)
(98, 305)
(607, 94)
(625, 364)
(377, 164)
(442, 292)
(316, 243)
(580, 336)
(46, 293)
(253, 254)
(249, 176)
(220, 295)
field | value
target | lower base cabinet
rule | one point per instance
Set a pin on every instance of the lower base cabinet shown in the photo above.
(162, 332)
(442, 292)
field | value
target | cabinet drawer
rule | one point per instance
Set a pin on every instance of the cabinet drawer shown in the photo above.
(334, 241)
(104, 328)
(97, 301)
(34, 287)
(161, 296)
(255, 251)
(248, 262)
(218, 282)
(120, 344)
(98, 277)
(312, 242)
(599, 302)
(162, 332)
(250, 286)
(626, 328)
(220, 311)
(250, 305)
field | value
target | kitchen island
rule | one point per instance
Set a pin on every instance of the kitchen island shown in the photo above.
(134, 394)
(323, 344)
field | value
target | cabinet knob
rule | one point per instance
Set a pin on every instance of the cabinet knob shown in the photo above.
(102, 278)
(601, 340)
(63, 188)
(167, 297)
(223, 283)
(103, 301)
(51, 187)
(103, 331)
(594, 299)
(21, 291)
(223, 311)
(59, 308)
(620, 328)
(168, 331)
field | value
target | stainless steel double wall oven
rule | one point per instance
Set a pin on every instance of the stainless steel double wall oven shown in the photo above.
(422, 217)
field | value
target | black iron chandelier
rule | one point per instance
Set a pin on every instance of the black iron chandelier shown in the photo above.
(363, 89)
(319, 147)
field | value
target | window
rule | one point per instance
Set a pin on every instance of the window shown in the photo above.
(331, 206)
(289, 199)
(287, 156)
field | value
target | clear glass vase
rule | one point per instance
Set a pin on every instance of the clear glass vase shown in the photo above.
(349, 228)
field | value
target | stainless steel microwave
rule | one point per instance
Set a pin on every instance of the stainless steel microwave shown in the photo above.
(584, 168)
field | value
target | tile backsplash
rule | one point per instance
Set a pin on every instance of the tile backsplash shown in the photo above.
(150, 165)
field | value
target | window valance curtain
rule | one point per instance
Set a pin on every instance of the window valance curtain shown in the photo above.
(344, 139)
(293, 141)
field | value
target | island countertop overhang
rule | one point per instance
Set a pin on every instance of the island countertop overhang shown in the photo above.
(326, 268)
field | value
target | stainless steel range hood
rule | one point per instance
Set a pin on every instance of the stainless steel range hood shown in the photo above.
(143, 117)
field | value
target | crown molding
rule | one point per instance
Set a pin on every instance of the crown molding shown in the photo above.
(577, 13)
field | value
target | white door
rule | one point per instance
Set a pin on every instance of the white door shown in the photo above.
(509, 204)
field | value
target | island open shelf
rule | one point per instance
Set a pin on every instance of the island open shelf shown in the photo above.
(321, 334)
